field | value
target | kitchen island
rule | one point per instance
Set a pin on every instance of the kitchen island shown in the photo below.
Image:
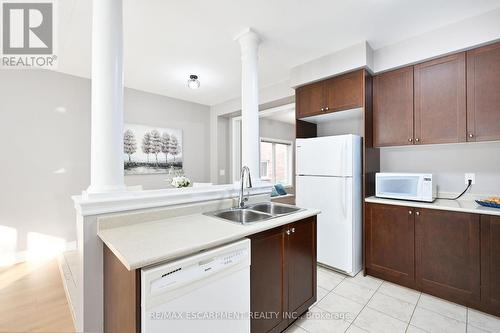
(283, 260)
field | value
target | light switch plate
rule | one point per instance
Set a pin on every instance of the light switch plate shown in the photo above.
(470, 176)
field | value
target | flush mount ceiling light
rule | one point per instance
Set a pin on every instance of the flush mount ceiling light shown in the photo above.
(193, 82)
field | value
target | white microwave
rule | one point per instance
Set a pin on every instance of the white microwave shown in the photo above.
(404, 186)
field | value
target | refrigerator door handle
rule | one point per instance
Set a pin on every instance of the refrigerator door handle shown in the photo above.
(344, 197)
(346, 163)
(297, 159)
(342, 163)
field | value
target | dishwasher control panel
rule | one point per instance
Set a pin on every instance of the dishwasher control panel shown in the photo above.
(178, 276)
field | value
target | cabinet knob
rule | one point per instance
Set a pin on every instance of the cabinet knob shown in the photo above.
(410, 212)
(418, 213)
(326, 109)
(417, 139)
(471, 135)
(410, 140)
(288, 232)
(293, 230)
(322, 109)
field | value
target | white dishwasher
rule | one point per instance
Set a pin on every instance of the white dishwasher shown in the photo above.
(205, 292)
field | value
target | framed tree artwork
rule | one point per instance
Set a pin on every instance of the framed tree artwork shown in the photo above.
(151, 150)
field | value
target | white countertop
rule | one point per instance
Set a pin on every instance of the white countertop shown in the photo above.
(150, 243)
(462, 205)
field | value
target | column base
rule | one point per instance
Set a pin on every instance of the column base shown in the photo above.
(104, 191)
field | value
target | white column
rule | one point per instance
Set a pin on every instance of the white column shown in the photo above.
(106, 161)
(250, 137)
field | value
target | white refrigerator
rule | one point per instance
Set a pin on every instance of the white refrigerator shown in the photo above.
(328, 177)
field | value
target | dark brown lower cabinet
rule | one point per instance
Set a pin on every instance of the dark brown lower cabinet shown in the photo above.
(282, 286)
(390, 238)
(451, 255)
(122, 296)
(490, 263)
(301, 261)
(447, 250)
(282, 275)
(268, 292)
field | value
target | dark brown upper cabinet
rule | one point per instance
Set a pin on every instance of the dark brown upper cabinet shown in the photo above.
(440, 100)
(389, 232)
(393, 108)
(344, 92)
(310, 100)
(483, 93)
(447, 255)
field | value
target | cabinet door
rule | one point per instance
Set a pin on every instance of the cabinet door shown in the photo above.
(447, 254)
(440, 100)
(490, 263)
(310, 100)
(389, 232)
(483, 97)
(393, 108)
(301, 262)
(268, 292)
(345, 92)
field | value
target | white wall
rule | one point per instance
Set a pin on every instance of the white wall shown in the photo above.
(340, 123)
(356, 56)
(156, 110)
(45, 148)
(279, 130)
(268, 128)
(449, 162)
(271, 96)
(223, 145)
(44, 135)
(455, 37)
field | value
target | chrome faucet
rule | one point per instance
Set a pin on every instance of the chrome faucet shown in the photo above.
(241, 200)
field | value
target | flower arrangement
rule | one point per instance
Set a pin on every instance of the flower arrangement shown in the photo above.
(181, 181)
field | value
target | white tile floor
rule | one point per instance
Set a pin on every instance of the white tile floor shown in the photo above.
(365, 304)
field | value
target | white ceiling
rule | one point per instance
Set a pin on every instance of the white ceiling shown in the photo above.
(285, 116)
(167, 40)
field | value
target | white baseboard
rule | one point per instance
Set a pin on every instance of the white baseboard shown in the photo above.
(69, 284)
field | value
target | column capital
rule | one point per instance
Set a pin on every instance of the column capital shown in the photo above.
(248, 38)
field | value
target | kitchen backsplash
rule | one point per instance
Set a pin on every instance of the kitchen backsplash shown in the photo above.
(448, 163)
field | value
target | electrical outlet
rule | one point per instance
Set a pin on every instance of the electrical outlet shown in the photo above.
(470, 176)
(222, 172)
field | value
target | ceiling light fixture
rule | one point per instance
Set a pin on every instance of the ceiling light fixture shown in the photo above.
(193, 82)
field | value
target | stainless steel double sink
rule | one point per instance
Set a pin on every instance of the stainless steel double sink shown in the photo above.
(254, 213)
